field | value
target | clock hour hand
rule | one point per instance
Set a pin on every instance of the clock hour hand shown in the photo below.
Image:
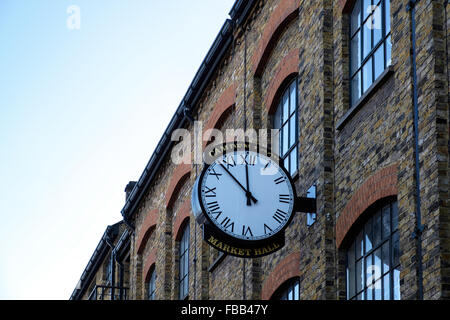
(248, 194)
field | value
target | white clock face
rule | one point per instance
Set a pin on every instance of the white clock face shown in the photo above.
(247, 195)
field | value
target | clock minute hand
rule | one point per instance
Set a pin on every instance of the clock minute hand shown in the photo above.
(249, 202)
(247, 193)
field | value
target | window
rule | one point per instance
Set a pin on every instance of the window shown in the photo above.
(184, 263)
(373, 267)
(286, 120)
(151, 285)
(290, 290)
(370, 44)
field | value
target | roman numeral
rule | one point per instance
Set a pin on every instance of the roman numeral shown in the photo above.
(226, 223)
(248, 159)
(266, 227)
(210, 193)
(246, 231)
(280, 180)
(214, 173)
(285, 198)
(267, 165)
(214, 208)
(229, 161)
(280, 216)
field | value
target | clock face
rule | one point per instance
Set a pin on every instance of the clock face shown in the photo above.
(247, 195)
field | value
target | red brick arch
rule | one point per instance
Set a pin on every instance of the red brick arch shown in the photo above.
(284, 13)
(149, 262)
(180, 175)
(148, 226)
(380, 185)
(182, 216)
(221, 108)
(286, 70)
(288, 268)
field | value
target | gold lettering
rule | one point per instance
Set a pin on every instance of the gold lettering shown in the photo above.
(257, 252)
(212, 240)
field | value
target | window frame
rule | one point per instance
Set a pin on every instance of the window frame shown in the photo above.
(184, 247)
(383, 41)
(391, 240)
(290, 286)
(151, 285)
(286, 89)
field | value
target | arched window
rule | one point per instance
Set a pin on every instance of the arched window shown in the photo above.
(370, 44)
(184, 263)
(151, 285)
(373, 267)
(286, 120)
(290, 290)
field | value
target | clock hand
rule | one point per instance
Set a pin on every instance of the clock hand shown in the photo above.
(247, 193)
(249, 202)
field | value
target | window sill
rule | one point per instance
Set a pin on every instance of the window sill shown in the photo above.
(372, 89)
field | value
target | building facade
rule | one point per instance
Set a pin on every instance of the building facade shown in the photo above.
(359, 90)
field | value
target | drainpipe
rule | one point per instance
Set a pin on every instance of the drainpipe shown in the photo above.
(113, 266)
(417, 234)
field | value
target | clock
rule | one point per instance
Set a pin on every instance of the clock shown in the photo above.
(245, 195)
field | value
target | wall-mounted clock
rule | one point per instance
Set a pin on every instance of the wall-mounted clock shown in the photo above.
(244, 195)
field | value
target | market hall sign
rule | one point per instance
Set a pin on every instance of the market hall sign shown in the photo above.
(243, 249)
(245, 199)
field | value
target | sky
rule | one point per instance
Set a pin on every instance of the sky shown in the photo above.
(87, 88)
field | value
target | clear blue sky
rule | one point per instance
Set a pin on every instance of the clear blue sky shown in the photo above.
(81, 112)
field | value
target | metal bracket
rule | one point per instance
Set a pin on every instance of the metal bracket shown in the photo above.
(303, 204)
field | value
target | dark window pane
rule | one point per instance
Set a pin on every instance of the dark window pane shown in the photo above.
(369, 235)
(395, 249)
(386, 221)
(356, 17)
(377, 228)
(351, 254)
(394, 216)
(379, 61)
(351, 280)
(356, 52)
(277, 119)
(285, 106)
(359, 275)
(367, 75)
(359, 245)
